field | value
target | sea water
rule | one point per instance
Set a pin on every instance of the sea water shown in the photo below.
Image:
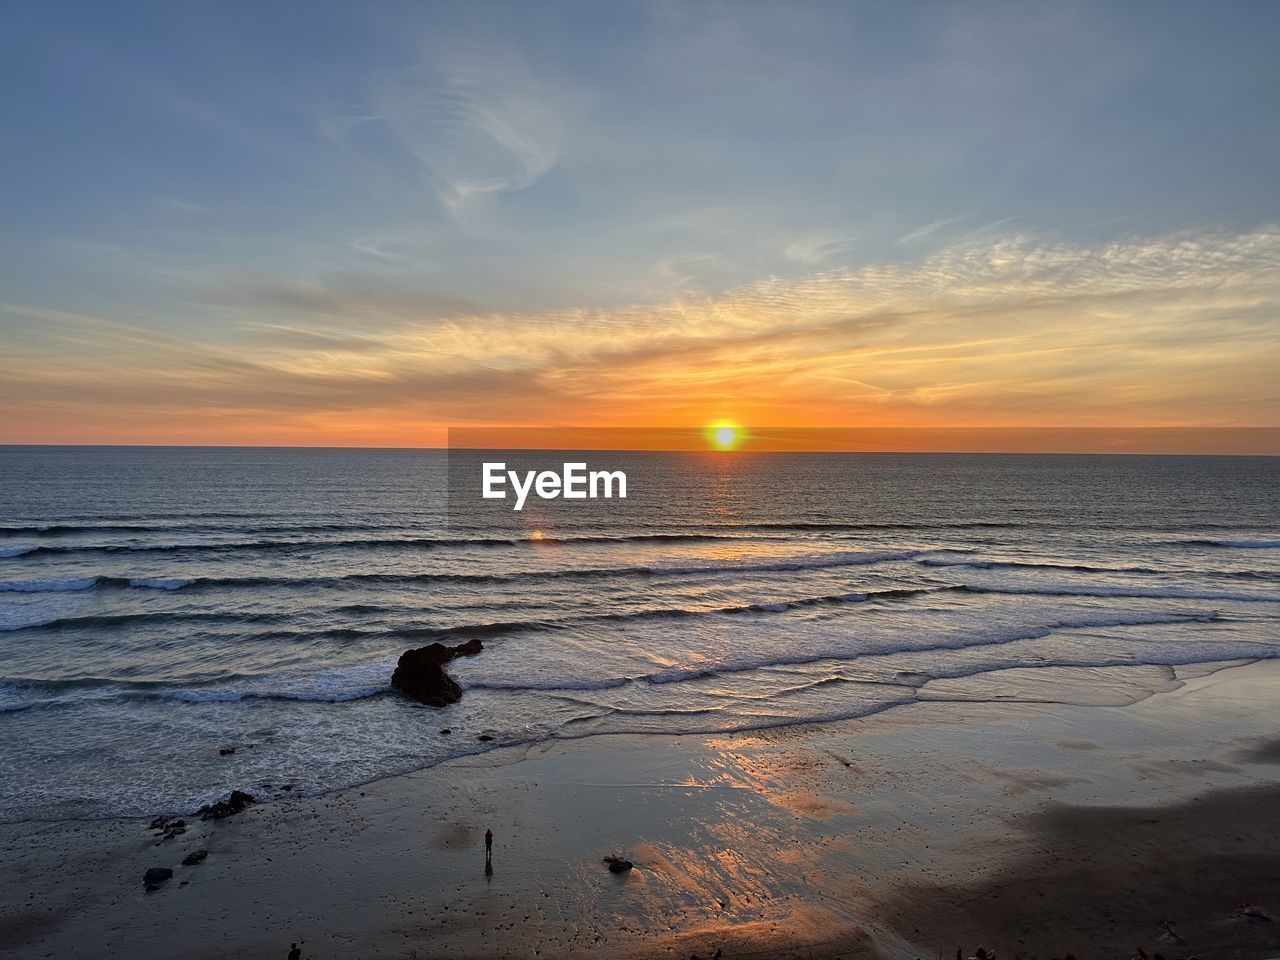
(159, 606)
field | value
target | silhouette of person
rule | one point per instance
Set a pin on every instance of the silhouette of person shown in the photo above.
(488, 845)
(295, 952)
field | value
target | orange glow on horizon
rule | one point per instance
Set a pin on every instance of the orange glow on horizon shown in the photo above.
(1246, 441)
(1260, 441)
(1009, 345)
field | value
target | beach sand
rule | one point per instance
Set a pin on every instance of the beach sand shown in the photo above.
(1138, 819)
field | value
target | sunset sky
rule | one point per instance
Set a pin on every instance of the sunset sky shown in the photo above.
(363, 223)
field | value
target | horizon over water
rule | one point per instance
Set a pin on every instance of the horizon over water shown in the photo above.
(160, 603)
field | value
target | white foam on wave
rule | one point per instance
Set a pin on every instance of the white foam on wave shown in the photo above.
(743, 661)
(1120, 591)
(161, 583)
(49, 585)
(337, 695)
(546, 685)
(328, 686)
(17, 550)
(67, 584)
(17, 694)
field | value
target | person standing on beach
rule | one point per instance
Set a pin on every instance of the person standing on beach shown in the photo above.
(295, 952)
(488, 845)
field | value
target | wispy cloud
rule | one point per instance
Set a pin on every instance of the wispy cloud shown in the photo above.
(928, 230)
(1178, 330)
(471, 128)
(811, 251)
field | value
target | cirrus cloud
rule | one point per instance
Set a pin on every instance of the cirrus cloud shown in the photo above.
(1175, 330)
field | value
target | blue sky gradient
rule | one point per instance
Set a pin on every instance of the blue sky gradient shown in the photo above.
(218, 171)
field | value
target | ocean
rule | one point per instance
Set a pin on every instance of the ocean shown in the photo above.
(159, 606)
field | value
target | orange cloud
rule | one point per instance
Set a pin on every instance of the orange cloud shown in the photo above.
(1169, 332)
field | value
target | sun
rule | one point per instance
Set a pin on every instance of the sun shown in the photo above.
(724, 435)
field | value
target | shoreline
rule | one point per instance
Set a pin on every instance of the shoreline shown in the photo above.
(1139, 691)
(830, 836)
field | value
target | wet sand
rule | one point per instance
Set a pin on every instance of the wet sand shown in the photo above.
(1178, 879)
(1128, 819)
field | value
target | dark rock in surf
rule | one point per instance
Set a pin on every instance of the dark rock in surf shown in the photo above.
(618, 864)
(236, 802)
(194, 857)
(426, 682)
(420, 672)
(468, 649)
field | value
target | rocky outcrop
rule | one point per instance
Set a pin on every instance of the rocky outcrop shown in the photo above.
(618, 864)
(420, 672)
(236, 802)
(468, 649)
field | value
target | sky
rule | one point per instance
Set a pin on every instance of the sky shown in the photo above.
(365, 223)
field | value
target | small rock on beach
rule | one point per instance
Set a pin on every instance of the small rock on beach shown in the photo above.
(156, 876)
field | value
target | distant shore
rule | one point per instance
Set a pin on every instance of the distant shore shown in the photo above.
(1032, 829)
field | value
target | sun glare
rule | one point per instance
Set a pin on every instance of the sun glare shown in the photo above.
(724, 436)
